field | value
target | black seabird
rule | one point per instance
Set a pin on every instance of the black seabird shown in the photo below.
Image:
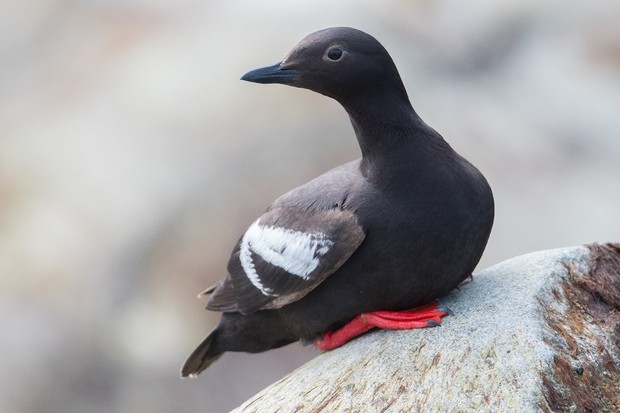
(343, 253)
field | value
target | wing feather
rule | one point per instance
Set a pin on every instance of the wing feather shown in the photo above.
(285, 254)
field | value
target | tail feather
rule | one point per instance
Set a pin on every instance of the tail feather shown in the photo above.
(201, 358)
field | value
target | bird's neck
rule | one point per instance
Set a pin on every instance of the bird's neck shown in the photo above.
(391, 135)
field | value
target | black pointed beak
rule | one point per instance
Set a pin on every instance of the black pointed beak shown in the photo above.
(271, 74)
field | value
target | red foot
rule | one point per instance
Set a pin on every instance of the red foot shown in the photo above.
(428, 315)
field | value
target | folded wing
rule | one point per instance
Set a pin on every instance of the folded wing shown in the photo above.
(285, 254)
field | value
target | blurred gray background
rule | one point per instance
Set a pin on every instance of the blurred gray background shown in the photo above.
(132, 158)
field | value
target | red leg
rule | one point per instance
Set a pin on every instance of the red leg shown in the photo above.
(428, 315)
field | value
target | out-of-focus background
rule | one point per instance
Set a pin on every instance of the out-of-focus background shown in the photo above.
(132, 158)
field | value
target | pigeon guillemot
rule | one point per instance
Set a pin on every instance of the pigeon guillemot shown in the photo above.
(361, 244)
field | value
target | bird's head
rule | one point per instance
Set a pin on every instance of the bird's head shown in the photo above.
(339, 62)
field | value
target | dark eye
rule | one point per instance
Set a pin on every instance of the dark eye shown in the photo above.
(334, 54)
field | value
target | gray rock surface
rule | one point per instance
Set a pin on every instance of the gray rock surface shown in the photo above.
(539, 332)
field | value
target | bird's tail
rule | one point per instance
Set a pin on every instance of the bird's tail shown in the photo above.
(201, 358)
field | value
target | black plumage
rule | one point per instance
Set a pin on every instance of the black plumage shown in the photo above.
(403, 225)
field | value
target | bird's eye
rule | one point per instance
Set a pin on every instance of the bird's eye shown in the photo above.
(334, 54)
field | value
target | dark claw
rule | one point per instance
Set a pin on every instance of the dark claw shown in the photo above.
(467, 280)
(445, 310)
(433, 323)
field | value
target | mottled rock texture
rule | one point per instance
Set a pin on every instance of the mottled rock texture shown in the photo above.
(540, 332)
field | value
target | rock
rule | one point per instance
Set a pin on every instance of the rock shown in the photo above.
(539, 332)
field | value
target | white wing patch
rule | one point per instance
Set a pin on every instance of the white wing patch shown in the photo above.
(296, 252)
